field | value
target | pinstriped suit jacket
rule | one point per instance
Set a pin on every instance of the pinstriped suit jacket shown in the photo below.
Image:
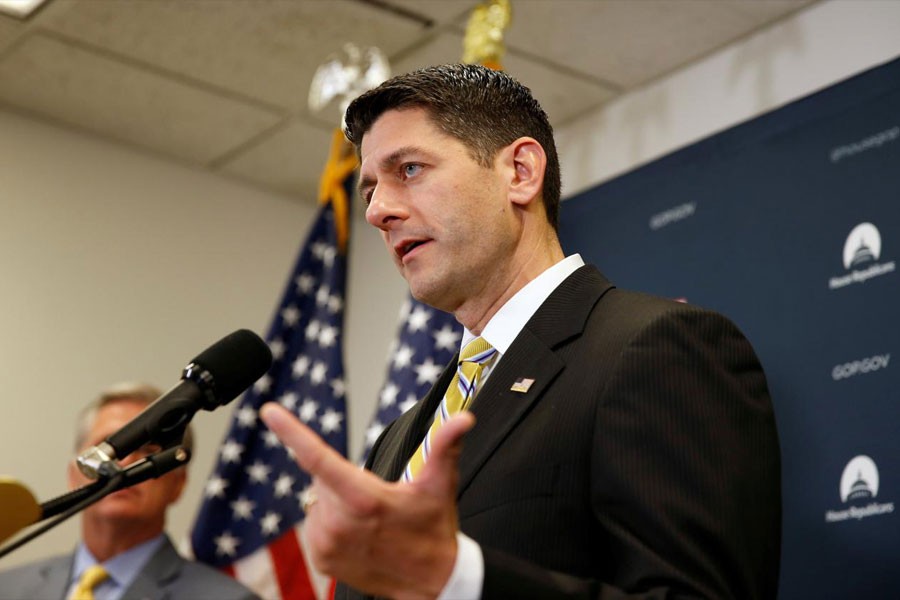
(642, 463)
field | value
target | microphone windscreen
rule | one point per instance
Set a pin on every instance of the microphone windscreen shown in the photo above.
(235, 362)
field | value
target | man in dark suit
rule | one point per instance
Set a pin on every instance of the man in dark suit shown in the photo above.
(124, 532)
(619, 445)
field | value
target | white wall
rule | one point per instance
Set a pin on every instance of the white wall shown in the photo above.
(117, 265)
(815, 48)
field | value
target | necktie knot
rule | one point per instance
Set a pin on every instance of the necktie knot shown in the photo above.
(477, 351)
(90, 579)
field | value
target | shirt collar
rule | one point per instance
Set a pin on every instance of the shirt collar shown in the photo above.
(506, 324)
(122, 568)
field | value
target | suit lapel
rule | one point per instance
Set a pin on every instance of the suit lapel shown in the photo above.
(497, 408)
(55, 578)
(163, 567)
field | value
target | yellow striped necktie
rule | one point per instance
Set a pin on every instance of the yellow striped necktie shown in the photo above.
(472, 360)
(91, 578)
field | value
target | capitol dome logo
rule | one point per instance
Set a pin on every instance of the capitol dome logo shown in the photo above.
(859, 487)
(862, 251)
(860, 479)
(863, 245)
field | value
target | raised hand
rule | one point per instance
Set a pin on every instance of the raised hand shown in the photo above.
(389, 539)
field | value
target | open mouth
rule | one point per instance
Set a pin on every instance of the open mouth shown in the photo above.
(408, 247)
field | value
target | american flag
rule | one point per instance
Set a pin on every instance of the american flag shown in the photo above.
(427, 339)
(250, 522)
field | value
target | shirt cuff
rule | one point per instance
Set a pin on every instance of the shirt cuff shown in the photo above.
(467, 577)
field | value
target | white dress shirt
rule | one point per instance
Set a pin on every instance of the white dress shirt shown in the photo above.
(468, 571)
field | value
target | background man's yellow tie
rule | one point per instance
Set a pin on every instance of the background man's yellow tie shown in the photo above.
(458, 396)
(91, 578)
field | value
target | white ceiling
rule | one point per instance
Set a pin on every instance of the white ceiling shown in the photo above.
(223, 84)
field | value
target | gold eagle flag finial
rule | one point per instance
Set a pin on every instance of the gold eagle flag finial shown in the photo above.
(483, 43)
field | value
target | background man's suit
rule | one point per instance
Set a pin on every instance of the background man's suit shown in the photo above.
(645, 452)
(167, 576)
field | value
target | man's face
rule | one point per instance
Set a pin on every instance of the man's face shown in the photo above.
(445, 219)
(146, 502)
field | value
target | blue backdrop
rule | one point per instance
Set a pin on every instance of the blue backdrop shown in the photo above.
(790, 225)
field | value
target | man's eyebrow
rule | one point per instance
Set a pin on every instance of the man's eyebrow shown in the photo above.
(388, 163)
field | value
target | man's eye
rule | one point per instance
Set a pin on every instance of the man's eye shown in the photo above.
(411, 170)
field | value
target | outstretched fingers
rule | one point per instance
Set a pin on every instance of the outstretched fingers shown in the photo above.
(319, 459)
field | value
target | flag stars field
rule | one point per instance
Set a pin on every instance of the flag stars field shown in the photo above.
(308, 410)
(277, 348)
(300, 367)
(289, 400)
(226, 544)
(242, 509)
(245, 417)
(331, 421)
(312, 330)
(262, 385)
(305, 283)
(447, 338)
(428, 372)
(270, 439)
(269, 523)
(388, 396)
(403, 357)
(290, 316)
(418, 319)
(319, 373)
(231, 452)
(427, 339)
(250, 521)
(283, 485)
(258, 472)
(215, 487)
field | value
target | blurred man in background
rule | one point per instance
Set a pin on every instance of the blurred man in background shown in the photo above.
(124, 551)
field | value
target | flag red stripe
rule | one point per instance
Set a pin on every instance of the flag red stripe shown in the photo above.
(230, 571)
(290, 568)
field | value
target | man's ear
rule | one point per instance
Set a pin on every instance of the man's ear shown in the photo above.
(529, 161)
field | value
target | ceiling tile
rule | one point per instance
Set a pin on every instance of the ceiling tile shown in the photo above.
(562, 94)
(764, 12)
(9, 31)
(628, 42)
(290, 160)
(442, 12)
(224, 82)
(264, 50)
(78, 87)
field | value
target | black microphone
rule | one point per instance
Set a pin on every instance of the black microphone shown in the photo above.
(215, 377)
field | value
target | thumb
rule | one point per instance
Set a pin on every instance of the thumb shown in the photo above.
(439, 475)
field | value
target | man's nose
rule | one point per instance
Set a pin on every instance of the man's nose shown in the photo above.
(384, 209)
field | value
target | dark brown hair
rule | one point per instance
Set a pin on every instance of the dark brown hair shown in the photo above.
(484, 109)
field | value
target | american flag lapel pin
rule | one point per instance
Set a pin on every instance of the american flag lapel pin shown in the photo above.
(522, 385)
